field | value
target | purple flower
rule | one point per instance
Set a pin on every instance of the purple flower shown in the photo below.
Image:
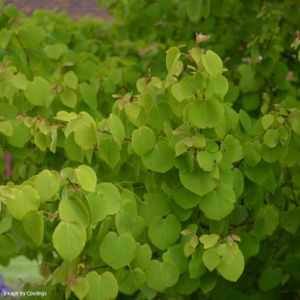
(3, 287)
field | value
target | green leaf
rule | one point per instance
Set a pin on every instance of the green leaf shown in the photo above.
(146, 100)
(173, 55)
(68, 98)
(86, 177)
(237, 181)
(245, 121)
(270, 278)
(72, 150)
(196, 266)
(38, 92)
(290, 220)
(249, 245)
(41, 141)
(8, 246)
(208, 282)
(294, 119)
(80, 287)
(183, 89)
(209, 240)
(69, 240)
(186, 199)
(109, 151)
(47, 184)
(186, 285)
(181, 147)
(266, 221)
(259, 174)
(62, 273)
(239, 215)
(211, 258)
(117, 251)
(134, 112)
(25, 199)
(71, 80)
(127, 222)
(232, 150)
(164, 232)
(155, 205)
(142, 256)
(20, 81)
(252, 153)
(218, 203)
(198, 181)
(102, 287)
(196, 55)
(65, 116)
(6, 128)
(218, 85)
(85, 135)
(106, 200)
(205, 114)
(31, 36)
(271, 155)
(55, 51)
(271, 138)
(208, 160)
(86, 69)
(88, 94)
(116, 128)
(176, 254)
(212, 63)
(160, 159)
(5, 35)
(141, 84)
(197, 9)
(143, 140)
(130, 281)
(33, 223)
(249, 81)
(5, 223)
(232, 262)
(162, 275)
(267, 120)
(74, 210)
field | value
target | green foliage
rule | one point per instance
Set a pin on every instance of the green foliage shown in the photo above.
(33, 223)
(104, 286)
(161, 275)
(116, 251)
(134, 186)
(164, 232)
(86, 178)
(69, 240)
(143, 140)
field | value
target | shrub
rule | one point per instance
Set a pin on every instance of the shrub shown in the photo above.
(169, 189)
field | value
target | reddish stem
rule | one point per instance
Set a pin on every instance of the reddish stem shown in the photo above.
(8, 164)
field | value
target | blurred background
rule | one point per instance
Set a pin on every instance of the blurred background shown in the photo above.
(76, 8)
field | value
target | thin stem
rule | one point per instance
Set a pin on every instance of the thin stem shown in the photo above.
(76, 190)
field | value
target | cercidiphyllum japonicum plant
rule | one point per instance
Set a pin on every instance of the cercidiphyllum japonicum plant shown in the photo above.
(253, 37)
(78, 66)
(185, 195)
(51, 63)
(74, 57)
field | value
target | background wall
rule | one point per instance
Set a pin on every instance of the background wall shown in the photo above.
(76, 8)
